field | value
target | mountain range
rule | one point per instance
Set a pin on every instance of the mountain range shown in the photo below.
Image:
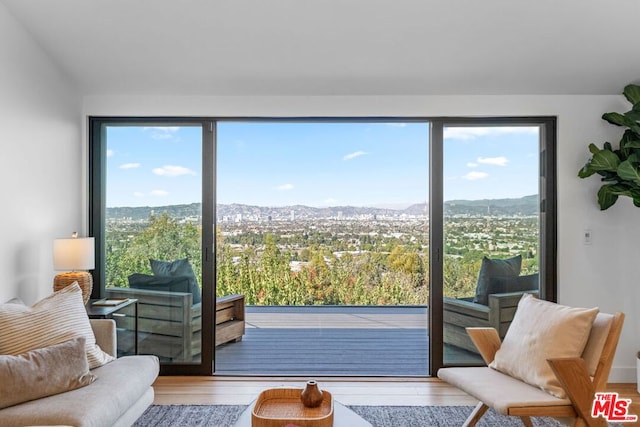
(527, 205)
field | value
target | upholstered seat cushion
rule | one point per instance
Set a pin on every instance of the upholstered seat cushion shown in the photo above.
(497, 390)
(101, 403)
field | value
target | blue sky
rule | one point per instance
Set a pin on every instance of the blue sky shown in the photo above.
(317, 164)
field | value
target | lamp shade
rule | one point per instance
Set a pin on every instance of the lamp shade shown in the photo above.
(74, 254)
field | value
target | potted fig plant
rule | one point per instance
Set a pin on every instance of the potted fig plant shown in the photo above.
(619, 168)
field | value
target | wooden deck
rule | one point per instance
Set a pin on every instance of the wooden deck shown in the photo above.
(332, 341)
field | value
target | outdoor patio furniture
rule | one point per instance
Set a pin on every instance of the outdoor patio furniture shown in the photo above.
(498, 290)
(461, 313)
(170, 326)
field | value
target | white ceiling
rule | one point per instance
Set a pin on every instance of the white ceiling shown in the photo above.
(339, 47)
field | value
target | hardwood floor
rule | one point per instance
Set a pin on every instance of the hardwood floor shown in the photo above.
(219, 390)
(360, 391)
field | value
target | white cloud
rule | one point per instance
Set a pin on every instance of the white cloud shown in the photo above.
(138, 194)
(171, 171)
(474, 175)
(330, 201)
(162, 132)
(109, 153)
(284, 187)
(354, 155)
(467, 133)
(496, 161)
(159, 193)
(472, 165)
(129, 165)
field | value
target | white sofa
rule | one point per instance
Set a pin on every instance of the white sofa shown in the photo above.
(121, 393)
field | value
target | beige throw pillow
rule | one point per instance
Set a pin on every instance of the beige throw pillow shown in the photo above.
(52, 320)
(542, 330)
(44, 372)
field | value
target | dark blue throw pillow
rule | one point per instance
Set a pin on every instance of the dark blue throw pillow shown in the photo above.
(178, 268)
(493, 267)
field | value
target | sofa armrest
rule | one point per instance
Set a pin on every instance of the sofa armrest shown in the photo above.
(105, 333)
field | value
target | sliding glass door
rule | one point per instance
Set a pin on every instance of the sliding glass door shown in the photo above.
(151, 235)
(494, 207)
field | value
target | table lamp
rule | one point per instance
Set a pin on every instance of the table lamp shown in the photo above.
(75, 254)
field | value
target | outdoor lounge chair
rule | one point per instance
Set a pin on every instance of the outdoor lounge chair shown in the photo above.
(560, 386)
(498, 291)
(170, 312)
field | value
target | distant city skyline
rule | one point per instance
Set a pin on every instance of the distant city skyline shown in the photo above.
(318, 164)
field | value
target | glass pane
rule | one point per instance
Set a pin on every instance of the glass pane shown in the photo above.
(153, 236)
(323, 228)
(491, 230)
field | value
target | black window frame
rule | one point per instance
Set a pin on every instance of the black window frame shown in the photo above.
(547, 193)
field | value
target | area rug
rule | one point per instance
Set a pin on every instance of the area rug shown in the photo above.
(378, 416)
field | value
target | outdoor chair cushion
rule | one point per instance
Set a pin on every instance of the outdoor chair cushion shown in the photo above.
(178, 268)
(158, 283)
(492, 267)
(504, 284)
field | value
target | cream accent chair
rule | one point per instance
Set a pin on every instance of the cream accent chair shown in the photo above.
(580, 377)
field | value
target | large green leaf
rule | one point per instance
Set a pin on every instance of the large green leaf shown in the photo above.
(632, 93)
(624, 120)
(617, 119)
(632, 115)
(630, 140)
(608, 194)
(627, 171)
(606, 197)
(634, 159)
(635, 195)
(605, 160)
(586, 170)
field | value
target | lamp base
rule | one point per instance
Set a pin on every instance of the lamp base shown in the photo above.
(84, 279)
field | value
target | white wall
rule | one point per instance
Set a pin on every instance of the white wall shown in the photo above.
(601, 274)
(40, 162)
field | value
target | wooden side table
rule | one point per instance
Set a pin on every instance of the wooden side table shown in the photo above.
(121, 313)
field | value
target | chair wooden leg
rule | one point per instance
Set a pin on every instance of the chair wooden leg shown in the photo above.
(575, 380)
(475, 415)
(526, 421)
